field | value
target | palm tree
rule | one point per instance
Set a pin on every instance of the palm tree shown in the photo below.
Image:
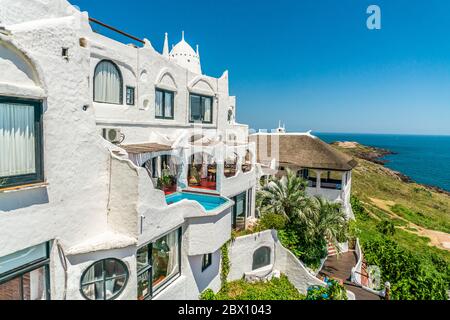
(311, 220)
(285, 196)
(327, 221)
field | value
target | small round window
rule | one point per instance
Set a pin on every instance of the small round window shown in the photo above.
(104, 280)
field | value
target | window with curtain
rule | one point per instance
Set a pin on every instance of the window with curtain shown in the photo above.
(157, 263)
(164, 107)
(20, 142)
(107, 83)
(201, 109)
(104, 280)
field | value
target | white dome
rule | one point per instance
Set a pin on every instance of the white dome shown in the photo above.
(183, 47)
(183, 54)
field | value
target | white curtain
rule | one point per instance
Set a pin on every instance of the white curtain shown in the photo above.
(107, 82)
(173, 166)
(159, 104)
(208, 109)
(172, 264)
(168, 103)
(17, 139)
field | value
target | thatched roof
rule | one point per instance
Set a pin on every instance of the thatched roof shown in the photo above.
(145, 148)
(302, 151)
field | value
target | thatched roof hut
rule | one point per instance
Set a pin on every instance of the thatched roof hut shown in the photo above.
(298, 150)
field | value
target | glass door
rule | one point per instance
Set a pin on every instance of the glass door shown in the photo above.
(239, 211)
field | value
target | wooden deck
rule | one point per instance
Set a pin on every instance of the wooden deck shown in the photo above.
(340, 268)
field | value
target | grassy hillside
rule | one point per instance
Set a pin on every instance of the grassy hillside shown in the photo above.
(420, 214)
(416, 203)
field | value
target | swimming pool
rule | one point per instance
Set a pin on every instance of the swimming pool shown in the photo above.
(208, 202)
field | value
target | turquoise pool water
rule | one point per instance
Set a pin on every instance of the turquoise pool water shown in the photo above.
(208, 202)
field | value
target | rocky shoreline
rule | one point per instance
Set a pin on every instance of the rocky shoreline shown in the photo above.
(376, 155)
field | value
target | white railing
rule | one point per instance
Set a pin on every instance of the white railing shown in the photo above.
(356, 270)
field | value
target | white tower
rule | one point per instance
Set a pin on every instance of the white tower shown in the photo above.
(166, 46)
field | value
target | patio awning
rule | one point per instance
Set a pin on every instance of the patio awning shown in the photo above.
(146, 148)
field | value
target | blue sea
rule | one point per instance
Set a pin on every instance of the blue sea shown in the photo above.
(425, 159)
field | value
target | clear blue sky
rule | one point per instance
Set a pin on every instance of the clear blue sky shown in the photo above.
(312, 63)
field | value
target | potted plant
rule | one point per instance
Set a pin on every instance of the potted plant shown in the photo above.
(167, 181)
(194, 178)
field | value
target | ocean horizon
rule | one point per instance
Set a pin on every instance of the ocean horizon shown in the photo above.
(423, 158)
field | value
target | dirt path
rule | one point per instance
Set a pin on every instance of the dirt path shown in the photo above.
(438, 239)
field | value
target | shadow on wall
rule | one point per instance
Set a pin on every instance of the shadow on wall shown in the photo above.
(204, 279)
(22, 199)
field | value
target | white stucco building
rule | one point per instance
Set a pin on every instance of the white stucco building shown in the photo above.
(327, 171)
(122, 169)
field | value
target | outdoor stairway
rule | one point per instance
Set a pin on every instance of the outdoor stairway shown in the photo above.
(340, 268)
(331, 249)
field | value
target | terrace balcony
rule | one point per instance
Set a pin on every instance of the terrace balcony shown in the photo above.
(333, 185)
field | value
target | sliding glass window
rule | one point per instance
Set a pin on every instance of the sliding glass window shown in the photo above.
(201, 109)
(157, 263)
(25, 275)
(164, 104)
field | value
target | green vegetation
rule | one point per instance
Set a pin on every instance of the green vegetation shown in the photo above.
(411, 277)
(304, 223)
(225, 262)
(386, 227)
(420, 218)
(272, 221)
(333, 291)
(415, 269)
(276, 289)
(390, 215)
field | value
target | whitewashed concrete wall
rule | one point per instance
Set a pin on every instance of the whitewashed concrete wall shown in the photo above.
(241, 257)
(193, 280)
(241, 253)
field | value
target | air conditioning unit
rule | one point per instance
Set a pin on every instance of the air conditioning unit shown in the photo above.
(113, 135)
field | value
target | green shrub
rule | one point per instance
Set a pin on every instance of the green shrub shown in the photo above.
(208, 294)
(386, 227)
(314, 252)
(270, 221)
(333, 291)
(336, 290)
(291, 241)
(410, 276)
(317, 293)
(309, 251)
(358, 208)
(276, 289)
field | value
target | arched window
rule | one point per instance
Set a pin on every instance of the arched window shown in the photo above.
(104, 280)
(261, 258)
(108, 84)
